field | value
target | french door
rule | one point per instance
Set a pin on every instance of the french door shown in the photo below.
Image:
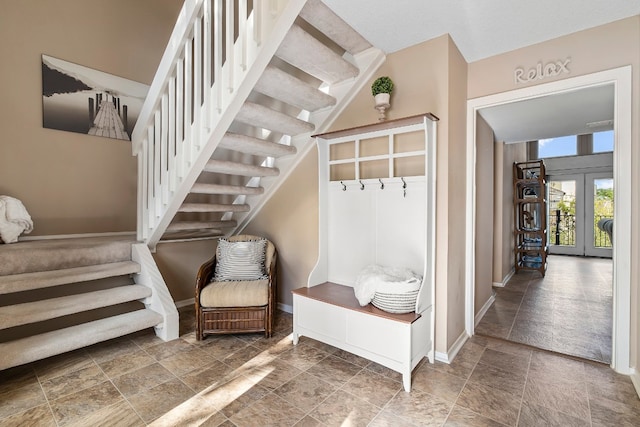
(576, 204)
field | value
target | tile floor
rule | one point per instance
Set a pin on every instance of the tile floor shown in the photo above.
(568, 311)
(252, 381)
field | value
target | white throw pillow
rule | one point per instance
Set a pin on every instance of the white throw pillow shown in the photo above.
(243, 260)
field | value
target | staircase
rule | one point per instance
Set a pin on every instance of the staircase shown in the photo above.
(60, 295)
(240, 90)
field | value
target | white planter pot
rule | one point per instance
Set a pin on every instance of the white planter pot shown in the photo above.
(382, 99)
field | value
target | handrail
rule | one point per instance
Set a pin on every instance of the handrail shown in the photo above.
(218, 48)
(174, 49)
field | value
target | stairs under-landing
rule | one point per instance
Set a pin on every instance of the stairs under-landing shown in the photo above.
(63, 294)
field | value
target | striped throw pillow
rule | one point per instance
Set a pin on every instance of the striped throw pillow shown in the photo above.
(240, 260)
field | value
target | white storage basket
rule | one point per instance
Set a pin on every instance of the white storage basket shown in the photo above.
(396, 302)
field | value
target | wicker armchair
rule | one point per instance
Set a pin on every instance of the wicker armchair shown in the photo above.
(235, 307)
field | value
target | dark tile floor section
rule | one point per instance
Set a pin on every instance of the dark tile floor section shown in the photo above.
(247, 380)
(568, 311)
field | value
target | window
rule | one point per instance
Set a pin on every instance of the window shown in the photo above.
(603, 141)
(557, 147)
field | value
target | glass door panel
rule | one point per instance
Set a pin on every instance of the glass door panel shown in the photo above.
(566, 215)
(599, 201)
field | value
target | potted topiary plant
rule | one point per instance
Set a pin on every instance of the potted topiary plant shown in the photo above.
(381, 90)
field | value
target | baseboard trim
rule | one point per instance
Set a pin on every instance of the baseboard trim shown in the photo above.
(77, 236)
(285, 307)
(635, 379)
(484, 308)
(505, 280)
(453, 351)
(185, 302)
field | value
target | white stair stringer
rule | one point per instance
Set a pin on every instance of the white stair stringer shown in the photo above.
(41, 346)
(160, 301)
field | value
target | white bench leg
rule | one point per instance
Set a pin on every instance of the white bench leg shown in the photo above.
(296, 337)
(406, 381)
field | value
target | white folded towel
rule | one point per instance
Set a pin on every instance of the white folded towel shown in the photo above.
(14, 219)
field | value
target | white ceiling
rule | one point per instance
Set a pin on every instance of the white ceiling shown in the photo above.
(484, 28)
(551, 116)
(480, 28)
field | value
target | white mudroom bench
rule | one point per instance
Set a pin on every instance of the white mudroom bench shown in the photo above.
(377, 206)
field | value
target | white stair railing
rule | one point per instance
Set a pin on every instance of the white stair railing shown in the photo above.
(216, 53)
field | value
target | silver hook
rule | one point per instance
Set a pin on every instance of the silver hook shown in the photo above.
(404, 187)
(361, 184)
(344, 187)
(381, 183)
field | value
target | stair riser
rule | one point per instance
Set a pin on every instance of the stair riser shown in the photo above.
(38, 311)
(47, 279)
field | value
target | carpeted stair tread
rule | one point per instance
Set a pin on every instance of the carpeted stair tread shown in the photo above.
(305, 52)
(331, 25)
(57, 254)
(203, 188)
(281, 85)
(46, 279)
(241, 169)
(37, 311)
(255, 146)
(179, 226)
(211, 207)
(257, 115)
(36, 347)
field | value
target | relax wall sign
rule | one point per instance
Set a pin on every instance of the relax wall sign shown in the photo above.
(539, 72)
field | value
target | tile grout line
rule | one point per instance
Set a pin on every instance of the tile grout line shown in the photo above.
(518, 310)
(53, 415)
(466, 381)
(524, 388)
(116, 387)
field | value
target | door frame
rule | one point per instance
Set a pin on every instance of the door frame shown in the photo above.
(621, 78)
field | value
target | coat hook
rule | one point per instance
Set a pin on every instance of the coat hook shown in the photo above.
(381, 183)
(404, 188)
(361, 184)
(344, 187)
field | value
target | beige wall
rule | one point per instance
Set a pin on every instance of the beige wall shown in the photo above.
(456, 216)
(73, 183)
(597, 49)
(179, 263)
(503, 241)
(290, 221)
(484, 213)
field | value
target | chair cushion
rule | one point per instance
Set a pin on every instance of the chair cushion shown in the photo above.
(246, 293)
(240, 260)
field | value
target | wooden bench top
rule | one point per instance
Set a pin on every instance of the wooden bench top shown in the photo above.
(343, 296)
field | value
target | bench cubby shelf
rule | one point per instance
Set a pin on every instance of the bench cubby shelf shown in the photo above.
(377, 206)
